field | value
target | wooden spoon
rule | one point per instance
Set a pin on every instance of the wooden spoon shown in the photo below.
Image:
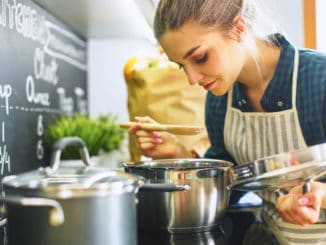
(175, 129)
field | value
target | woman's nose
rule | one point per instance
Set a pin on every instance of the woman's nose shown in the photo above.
(193, 76)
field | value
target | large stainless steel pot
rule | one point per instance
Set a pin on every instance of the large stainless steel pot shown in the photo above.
(84, 205)
(196, 208)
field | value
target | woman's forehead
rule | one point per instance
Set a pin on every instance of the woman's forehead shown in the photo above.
(176, 43)
(181, 37)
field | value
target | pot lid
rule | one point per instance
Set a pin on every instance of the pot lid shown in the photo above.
(75, 180)
(281, 171)
(69, 180)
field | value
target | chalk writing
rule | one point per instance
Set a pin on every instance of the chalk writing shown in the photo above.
(40, 126)
(66, 103)
(80, 100)
(7, 14)
(66, 46)
(29, 23)
(33, 96)
(43, 76)
(47, 72)
(4, 155)
(39, 150)
(25, 20)
(5, 93)
(3, 138)
(40, 131)
(4, 159)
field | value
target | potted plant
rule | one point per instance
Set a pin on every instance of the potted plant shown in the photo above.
(102, 136)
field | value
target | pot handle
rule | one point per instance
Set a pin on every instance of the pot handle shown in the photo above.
(307, 184)
(97, 177)
(60, 145)
(103, 175)
(56, 215)
(163, 187)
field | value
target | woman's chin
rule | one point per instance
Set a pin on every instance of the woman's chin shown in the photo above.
(218, 91)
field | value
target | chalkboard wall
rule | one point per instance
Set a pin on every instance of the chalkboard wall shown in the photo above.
(43, 75)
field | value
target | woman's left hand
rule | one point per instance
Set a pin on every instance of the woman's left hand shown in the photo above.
(298, 208)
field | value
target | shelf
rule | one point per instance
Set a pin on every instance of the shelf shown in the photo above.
(104, 18)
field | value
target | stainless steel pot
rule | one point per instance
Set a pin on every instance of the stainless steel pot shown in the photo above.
(198, 206)
(71, 204)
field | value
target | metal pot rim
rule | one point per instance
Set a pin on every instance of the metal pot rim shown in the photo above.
(179, 164)
(64, 184)
(281, 170)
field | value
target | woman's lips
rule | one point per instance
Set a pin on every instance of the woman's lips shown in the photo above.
(209, 85)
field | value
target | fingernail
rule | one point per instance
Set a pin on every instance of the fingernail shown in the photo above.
(288, 195)
(156, 134)
(137, 126)
(303, 201)
(158, 140)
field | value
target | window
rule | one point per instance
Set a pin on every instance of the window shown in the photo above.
(309, 24)
(314, 31)
(320, 25)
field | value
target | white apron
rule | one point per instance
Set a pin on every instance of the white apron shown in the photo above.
(252, 135)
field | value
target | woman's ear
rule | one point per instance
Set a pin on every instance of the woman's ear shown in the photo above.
(240, 27)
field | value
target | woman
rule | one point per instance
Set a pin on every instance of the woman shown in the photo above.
(264, 96)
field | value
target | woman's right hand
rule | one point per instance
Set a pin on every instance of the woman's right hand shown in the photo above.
(302, 208)
(156, 144)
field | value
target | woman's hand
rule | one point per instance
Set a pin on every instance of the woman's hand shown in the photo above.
(302, 209)
(157, 144)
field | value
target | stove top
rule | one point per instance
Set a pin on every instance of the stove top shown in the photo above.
(242, 213)
(209, 237)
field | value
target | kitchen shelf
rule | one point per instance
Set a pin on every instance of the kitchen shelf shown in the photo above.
(104, 18)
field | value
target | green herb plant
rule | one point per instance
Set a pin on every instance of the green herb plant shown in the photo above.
(102, 134)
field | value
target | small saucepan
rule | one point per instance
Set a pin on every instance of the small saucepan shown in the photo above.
(196, 203)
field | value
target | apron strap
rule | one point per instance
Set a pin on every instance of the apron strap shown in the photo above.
(294, 78)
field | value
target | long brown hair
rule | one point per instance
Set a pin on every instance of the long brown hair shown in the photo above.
(217, 14)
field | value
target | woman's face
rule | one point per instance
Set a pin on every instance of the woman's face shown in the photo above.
(209, 58)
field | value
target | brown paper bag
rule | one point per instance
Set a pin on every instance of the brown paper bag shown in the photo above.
(164, 94)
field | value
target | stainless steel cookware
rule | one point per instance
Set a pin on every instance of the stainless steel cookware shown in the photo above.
(198, 202)
(71, 204)
(281, 171)
(200, 188)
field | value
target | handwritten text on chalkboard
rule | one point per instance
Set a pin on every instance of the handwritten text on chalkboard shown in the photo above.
(44, 67)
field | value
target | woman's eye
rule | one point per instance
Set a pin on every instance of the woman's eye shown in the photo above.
(202, 59)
